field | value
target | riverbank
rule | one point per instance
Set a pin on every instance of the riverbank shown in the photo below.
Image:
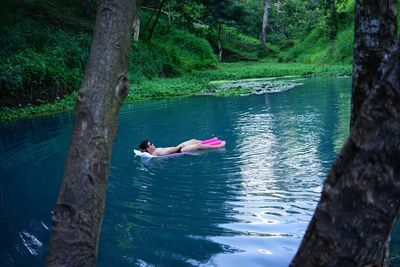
(196, 83)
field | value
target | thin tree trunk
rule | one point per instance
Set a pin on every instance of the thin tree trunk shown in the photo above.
(375, 34)
(149, 21)
(267, 5)
(157, 17)
(80, 205)
(360, 200)
(219, 42)
(136, 21)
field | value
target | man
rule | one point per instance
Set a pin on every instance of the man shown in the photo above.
(191, 145)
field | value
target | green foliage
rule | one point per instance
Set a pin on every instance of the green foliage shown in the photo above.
(187, 13)
(330, 19)
(331, 40)
(45, 46)
(38, 76)
(197, 82)
(186, 51)
(292, 20)
(60, 105)
(346, 6)
(312, 49)
(280, 40)
(316, 48)
(265, 69)
(234, 92)
(68, 14)
(171, 53)
(237, 46)
(144, 62)
(162, 88)
(41, 73)
(343, 47)
(40, 61)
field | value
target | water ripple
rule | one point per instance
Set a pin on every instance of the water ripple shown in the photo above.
(246, 205)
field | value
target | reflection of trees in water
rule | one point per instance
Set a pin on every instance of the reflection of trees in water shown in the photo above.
(287, 146)
(295, 139)
(309, 119)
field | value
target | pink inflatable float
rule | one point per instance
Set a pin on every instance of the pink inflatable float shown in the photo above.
(211, 142)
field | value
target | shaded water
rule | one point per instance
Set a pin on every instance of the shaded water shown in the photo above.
(246, 205)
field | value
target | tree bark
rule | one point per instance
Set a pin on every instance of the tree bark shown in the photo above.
(375, 34)
(80, 205)
(264, 23)
(361, 197)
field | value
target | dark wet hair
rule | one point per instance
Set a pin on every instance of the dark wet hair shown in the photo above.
(144, 145)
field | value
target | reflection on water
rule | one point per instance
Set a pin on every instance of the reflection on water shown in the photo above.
(245, 205)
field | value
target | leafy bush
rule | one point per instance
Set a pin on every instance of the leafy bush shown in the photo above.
(144, 62)
(35, 77)
(311, 50)
(317, 49)
(170, 53)
(186, 50)
(235, 45)
(238, 46)
(161, 88)
(342, 49)
(279, 39)
(40, 60)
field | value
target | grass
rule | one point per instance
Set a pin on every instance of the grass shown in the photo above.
(60, 105)
(165, 88)
(265, 69)
(195, 83)
(316, 49)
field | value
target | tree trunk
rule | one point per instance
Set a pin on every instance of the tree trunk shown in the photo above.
(157, 17)
(361, 197)
(360, 200)
(219, 42)
(264, 23)
(375, 34)
(80, 205)
(136, 21)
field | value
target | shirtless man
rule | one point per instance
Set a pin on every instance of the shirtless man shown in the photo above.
(191, 145)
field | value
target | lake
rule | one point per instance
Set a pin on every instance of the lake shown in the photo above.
(245, 205)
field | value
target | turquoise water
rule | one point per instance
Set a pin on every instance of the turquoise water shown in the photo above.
(246, 205)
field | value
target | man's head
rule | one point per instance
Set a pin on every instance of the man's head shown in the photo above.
(147, 146)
